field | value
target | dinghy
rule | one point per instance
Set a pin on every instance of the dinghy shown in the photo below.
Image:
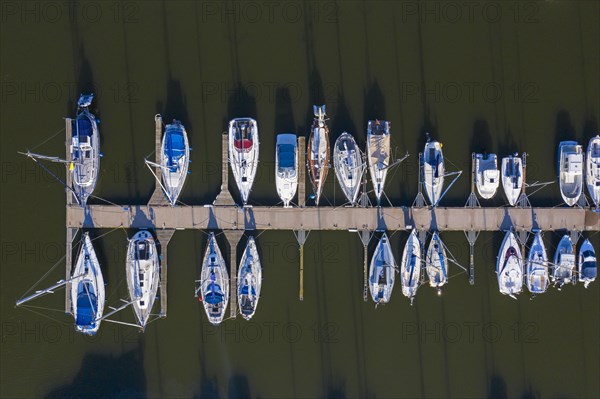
(436, 263)
(537, 266)
(512, 178)
(509, 266)
(349, 166)
(87, 289)
(382, 272)
(433, 170)
(564, 262)
(318, 152)
(378, 154)
(243, 153)
(286, 167)
(249, 280)
(587, 266)
(175, 160)
(592, 173)
(213, 286)
(487, 175)
(570, 175)
(142, 274)
(410, 268)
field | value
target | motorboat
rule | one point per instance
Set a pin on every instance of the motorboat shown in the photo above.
(570, 176)
(213, 286)
(564, 262)
(174, 159)
(487, 175)
(286, 167)
(243, 153)
(436, 262)
(318, 151)
(509, 266)
(512, 178)
(433, 170)
(378, 154)
(249, 280)
(143, 274)
(349, 166)
(382, 272)
(592, 170)
(410, 268)
(537, 266)
(586, 265)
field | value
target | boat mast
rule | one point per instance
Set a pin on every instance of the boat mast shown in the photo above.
(49, 290)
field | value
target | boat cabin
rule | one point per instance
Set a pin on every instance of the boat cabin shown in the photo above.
(242, 136)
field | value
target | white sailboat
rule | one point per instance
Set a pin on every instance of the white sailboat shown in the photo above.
(318, 151)
(410, 268)
(509, 266)
(587, 265)
(564, 262)
(382, 272)
(570, 175)
(592, 172)
(537, 266)
(286, 167)
(349, 166)
(433, 170)
(436, 262)
(175, 160)
(249, 280)
(512, 178)
(378, 154)
(487, 175)
(213, 286)
(243, 153)
(142, 269)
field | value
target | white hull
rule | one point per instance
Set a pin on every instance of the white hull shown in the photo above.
(214, 282)
(512, 178)
(537, 266)
(592, 170)
(433, 171)
(487, 175)
(87, 289)
(587, 265)
(142, 274)
(382, 272)
(349, 166)
(564, 262)
(243, 153)
(570, 175)
(249, 281)
(175, 160)
(509, 266)
(410, 268)
(286, 168)
(436, 262)
(378, 154)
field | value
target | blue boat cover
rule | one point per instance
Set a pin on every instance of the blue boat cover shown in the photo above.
(87, 307)
(214, 294)
(174, 147)
(245, 290)
(84, 126)
(286, 156)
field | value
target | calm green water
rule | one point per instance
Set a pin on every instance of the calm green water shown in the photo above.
(500, 76)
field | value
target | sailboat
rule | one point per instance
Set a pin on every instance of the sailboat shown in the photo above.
(87, 289)
(564, 262)
(382, 272)
(410, 268)
(318, 151)
(213, 285)
(512, 178)
(537, 266)
(142, 269)
(249, 280)
(570, 175)
(243, 153)
(433, 170)
(175, 160)
(286, 167)
(587, 264)
(509, 266)
(487, 175)
(349, 166)
(592, 173)
(378, 154)
(436, 262)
